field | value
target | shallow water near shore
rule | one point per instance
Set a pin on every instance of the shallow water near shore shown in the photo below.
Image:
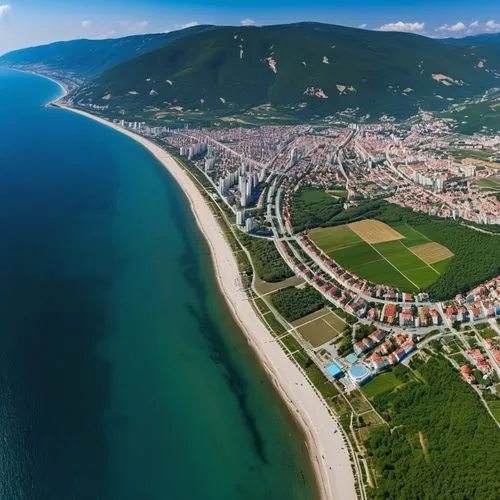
(122, 373)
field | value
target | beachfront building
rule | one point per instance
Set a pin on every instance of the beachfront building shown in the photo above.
(359, 373)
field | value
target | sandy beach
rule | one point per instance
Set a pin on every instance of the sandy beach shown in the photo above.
(328, 450)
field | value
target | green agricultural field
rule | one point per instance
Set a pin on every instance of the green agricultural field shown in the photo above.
(390, 263)
(460, 154)
(412, 236)
(442, 266)
(488, 183)
(330, 239)
(413, 268)
(378, 271)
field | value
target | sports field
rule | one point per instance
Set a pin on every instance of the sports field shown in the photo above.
(396, 256)
(320, 327)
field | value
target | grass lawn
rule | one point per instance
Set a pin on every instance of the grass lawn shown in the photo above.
(324, 386)
(460, 154)
(340, 193)
(302, 358)
(319, 327)
(460, 359)
(261, 305)
(495, 408)
(315, 375)
(274, 324)
(452, 346)
(372, 418)
(312, 195)
(488, 333)
(290, 343)
(310, 317)
(358, 402)
(382, 383)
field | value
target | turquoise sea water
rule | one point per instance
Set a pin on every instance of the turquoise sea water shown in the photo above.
(122, 374)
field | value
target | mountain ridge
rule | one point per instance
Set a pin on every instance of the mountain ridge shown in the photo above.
(87, 58)
(306, 69)
(309, 68)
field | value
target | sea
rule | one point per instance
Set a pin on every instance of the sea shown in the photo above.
(122, 373)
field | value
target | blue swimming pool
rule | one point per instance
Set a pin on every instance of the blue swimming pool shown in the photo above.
(334, 370)
(359, 373)
(351, 358)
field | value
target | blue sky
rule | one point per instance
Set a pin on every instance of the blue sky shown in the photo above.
(30, 22)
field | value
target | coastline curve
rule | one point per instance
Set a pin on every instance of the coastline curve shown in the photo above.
(328, 451)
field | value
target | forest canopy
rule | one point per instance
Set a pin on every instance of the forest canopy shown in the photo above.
(440, 443)
(294, 303)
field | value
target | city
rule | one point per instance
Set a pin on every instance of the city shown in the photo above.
(421, 164)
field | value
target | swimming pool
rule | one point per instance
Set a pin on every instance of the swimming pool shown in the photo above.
(334, 370)
(359, 373)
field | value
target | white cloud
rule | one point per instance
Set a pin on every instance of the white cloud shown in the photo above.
(4, 9)
(401, 26)
(86, 24)
(363, 26)
(460, 26)
(141, 25)
(475, 24)
(247, 22)
(191, 24)
(492, 26)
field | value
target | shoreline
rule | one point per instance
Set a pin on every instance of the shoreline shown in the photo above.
(327, 450)
(61, 85)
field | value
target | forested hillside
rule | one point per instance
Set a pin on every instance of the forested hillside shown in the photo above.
(307, 68)
(89, 58)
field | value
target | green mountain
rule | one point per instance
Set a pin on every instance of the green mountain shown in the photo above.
(307, 68)
(485, 39)
(84, 59)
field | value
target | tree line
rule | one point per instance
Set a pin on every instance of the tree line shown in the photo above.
(268, 263)
(294, 303)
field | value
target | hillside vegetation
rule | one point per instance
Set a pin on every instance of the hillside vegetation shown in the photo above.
(308, 68)
(89, 58)
(484, 39)
(440, 442)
